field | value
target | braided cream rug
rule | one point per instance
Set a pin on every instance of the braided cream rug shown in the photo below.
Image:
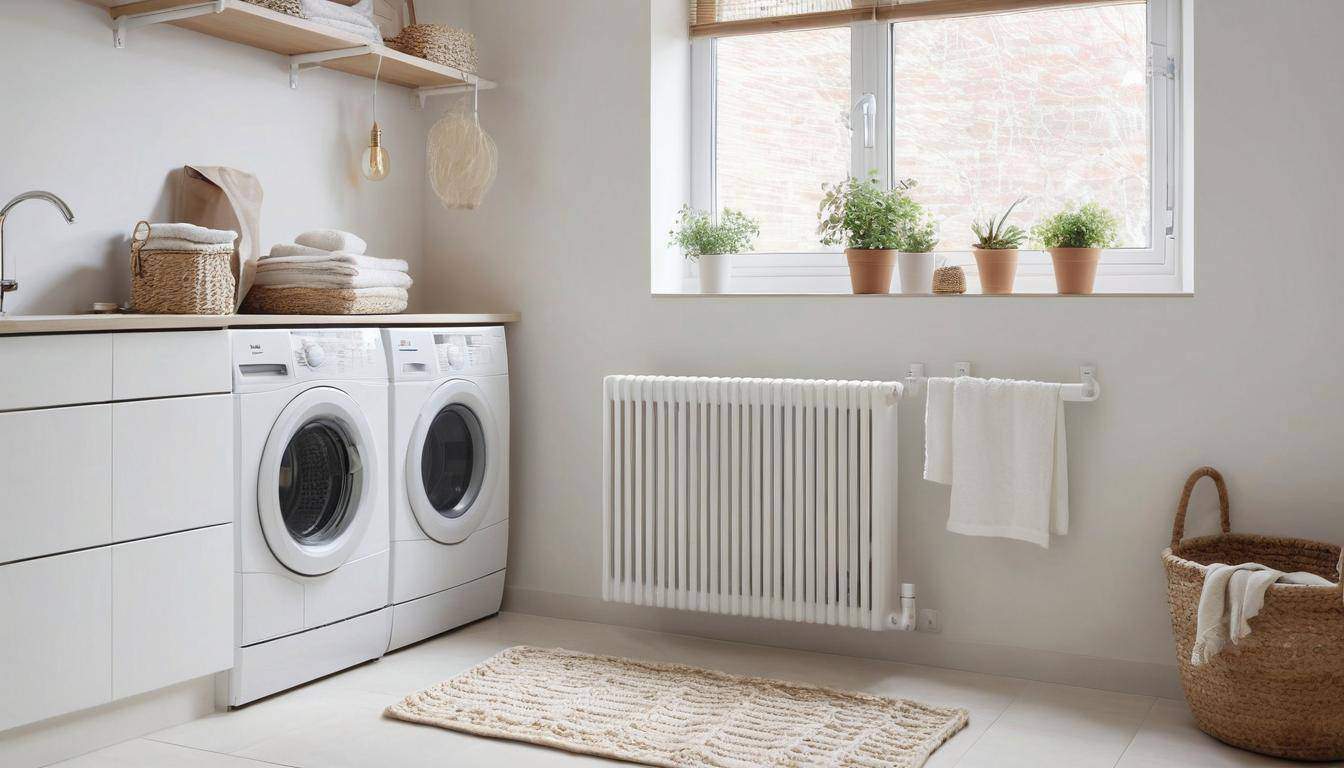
(674, 716)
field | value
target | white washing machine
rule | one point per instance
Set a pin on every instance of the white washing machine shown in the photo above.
(450, 477)
(312, 529)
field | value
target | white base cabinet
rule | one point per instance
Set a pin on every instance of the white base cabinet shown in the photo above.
(172, 609)
(56, 635)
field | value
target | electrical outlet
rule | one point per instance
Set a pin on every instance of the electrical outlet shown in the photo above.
(929, 621)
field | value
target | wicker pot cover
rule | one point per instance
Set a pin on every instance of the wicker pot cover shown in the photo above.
(1280, 691)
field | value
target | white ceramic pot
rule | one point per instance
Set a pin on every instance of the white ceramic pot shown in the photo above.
(715, 272)
(916, 270)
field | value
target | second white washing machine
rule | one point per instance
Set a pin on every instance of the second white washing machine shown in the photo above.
(449, 477)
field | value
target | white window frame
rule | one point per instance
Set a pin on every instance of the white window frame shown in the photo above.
(1156, 269)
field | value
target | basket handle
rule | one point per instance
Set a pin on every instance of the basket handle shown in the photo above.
(1224, 508)
(138, 242)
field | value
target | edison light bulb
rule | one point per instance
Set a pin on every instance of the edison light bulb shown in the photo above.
(375, 165)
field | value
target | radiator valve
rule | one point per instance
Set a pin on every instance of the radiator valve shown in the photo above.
(905, 620)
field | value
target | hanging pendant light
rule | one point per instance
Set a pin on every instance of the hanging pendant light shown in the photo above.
(375, 164)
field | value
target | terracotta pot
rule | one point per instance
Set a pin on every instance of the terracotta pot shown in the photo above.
(997, 268)
(1075, 268)
(916, 271)
(870, 271)
(716, 270)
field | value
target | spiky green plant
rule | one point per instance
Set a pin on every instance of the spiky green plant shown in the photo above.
(697, 234)
(992, 235)
(1085, 226)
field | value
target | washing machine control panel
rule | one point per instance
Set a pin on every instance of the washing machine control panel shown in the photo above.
(433, 353)
(346, 353)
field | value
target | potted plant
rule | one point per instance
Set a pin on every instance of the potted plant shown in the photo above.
(995, 250)
(1074, 237)
(916, 261)
(713, 244)
(871, 224)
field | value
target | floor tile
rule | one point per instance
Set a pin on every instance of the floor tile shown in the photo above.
(1169, 738)
(1058, 725)
(143, 753)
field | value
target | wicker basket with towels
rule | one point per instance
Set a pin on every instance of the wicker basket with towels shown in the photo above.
(439, 43)
(182, 269)
(1277, 691)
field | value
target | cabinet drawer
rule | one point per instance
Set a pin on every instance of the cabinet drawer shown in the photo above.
(54, 635)
(42, 371)
(172, 465)
(170, 363)
(56, 476)
(172, 609)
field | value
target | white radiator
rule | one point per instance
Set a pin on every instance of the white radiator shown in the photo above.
(754, 497)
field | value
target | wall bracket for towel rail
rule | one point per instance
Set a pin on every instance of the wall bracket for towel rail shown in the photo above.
(1087, 391)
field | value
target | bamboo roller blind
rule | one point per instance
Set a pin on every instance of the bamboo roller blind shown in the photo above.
(741, 17)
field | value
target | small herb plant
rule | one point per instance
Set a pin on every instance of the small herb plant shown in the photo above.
(991, 235)
(1085, 226)
(860, 214)
(697, 234)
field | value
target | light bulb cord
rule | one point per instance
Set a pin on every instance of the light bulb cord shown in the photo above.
(376, 74)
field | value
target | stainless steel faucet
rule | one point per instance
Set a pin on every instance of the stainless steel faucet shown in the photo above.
(6, 284)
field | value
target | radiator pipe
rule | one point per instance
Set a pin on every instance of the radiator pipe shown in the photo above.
(905, 620)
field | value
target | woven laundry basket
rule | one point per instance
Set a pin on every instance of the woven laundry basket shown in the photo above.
(439, 43)
(1280, 691)
(323, 301)
(175, 282)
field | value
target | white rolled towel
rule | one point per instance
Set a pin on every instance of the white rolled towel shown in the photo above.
(192, 234)
(303, 278)
(333, 240)
(294, 256)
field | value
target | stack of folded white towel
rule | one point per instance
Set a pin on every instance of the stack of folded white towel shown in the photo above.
(333, 261)
(188, 238)
(355, 19)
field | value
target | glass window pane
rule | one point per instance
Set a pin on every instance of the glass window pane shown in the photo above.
(781, 131)
(1049, 104)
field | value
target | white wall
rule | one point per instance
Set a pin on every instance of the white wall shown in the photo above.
(1243, 376)
(103, 128)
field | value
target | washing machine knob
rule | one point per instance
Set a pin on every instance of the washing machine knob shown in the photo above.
(455, 355)
(314, 353)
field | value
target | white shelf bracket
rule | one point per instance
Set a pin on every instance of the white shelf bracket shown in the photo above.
(301, 61)
(471, 83)
(123, 24)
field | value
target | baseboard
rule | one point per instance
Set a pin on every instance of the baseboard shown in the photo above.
(1121, 675)
(67, 736)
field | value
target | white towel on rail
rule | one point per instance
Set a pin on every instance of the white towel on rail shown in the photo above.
(1231, 597)
(333, 240)
(301, 278)
(938, 430)
(1009, 467)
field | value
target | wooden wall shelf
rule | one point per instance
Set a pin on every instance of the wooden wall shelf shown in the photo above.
(258, 27)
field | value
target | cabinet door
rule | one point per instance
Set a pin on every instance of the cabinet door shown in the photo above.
(168, 363)
(172, 609)
(172, 465)
(56, 477)
(42, 371)
(55, 630)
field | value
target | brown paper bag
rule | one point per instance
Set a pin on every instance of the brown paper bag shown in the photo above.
(225, 198)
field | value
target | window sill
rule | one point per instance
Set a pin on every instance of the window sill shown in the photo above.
(940, 296)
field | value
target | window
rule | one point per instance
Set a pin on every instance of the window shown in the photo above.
(1054, 105)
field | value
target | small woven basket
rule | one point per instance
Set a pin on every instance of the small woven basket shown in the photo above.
(290, 7)
(439, 43)
(168, 282)
(321, 301)
(1277, 692)
(949, 280)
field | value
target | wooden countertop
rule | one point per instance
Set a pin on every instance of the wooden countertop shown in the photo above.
(11, 325)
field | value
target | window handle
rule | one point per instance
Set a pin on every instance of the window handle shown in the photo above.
(868, 103)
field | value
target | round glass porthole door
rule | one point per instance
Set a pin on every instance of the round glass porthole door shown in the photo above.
(314, 486)
(449, 471)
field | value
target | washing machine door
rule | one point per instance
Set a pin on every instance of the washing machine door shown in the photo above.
(316, 489)
(451, 470)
